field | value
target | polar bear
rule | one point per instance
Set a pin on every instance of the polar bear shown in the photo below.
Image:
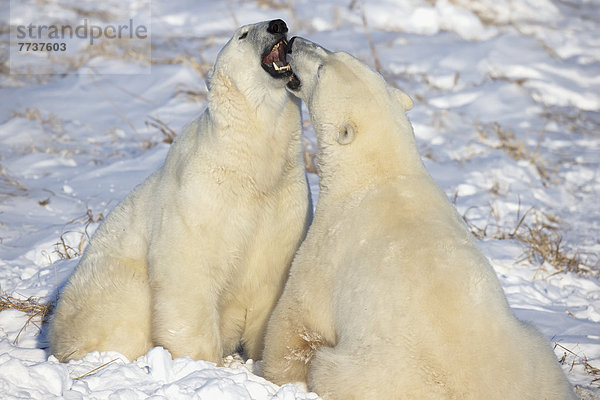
(195, 258)
(389, 296)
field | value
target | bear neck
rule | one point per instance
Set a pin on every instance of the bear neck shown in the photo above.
(257, 137)
(367, 162)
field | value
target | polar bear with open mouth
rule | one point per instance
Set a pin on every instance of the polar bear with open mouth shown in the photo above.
(194, 258)
(389, 296)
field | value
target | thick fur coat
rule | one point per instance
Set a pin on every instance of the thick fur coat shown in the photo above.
(389, 296)
(195, 258)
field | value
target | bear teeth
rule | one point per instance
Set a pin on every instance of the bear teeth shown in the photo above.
(282, 68)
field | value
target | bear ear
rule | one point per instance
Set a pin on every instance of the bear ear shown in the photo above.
(346, 135)
(404, 100)
(319, 70)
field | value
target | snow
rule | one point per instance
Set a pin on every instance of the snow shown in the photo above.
(506, 116)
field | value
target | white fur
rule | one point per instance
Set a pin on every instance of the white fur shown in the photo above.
(389, 296)
(195, 257)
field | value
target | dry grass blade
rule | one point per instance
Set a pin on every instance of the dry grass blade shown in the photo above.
(168, 133)
(582, 360)
(542, 243)
(274, 4)
(371, 44)
(114, 104)
(95, 370)
(10, 186)
(194, 94)
(310, 162)
(201, 66)
(376, 62)
(545, 245)
(49, 120)
(63, 249)
(497, 137)
(32, 306)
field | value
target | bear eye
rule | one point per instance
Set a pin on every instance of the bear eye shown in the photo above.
(243, 35)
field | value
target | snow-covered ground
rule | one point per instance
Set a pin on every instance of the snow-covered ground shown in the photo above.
(507, 117)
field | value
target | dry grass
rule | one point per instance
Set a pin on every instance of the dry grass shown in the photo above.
(571, 358)
(95, 370)
(374, 54)
(133, 51)
(493, 229)
(202, 66)
(538, 233)
(544, 245)
(10, 186)
(64, 249)
(497, 137)
(102, 15)
(50, 121)
(125, 49)
(573, 120)
(54, 133)
(168, 133)
(50, 135)
(310, 161)
(33, 307)
(190, 93)
(515, 148)
(275, 5)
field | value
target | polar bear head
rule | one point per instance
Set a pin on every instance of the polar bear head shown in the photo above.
(253, 63)
(360, 121)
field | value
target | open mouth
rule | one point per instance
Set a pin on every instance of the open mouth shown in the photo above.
(273, 61)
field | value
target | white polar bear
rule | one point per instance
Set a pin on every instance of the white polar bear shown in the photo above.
(195, 258)
(389, 296)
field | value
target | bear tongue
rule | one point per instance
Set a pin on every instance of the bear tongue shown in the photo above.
(272, 57)
(277, 55)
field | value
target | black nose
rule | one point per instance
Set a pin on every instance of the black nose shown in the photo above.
(277, 26)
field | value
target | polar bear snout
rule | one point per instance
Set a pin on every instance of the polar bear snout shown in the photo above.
(274, 54)
(294, 81)
(305, 58)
